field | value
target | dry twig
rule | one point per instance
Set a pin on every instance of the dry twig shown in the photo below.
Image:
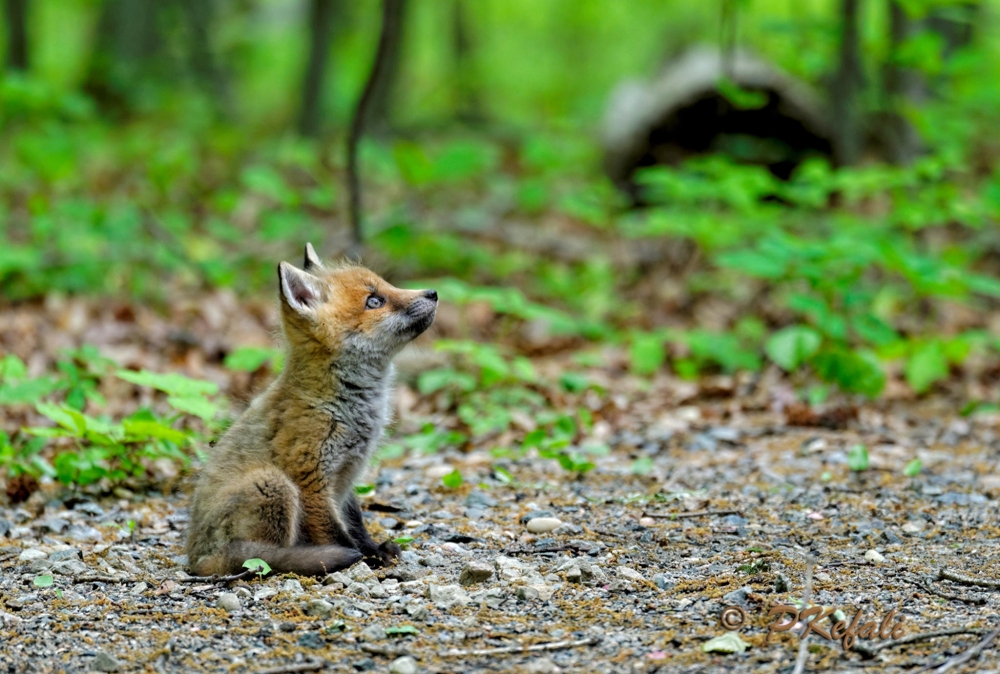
(930, 589)
(551, 646)
(945, 574)
(307, 666)
(697, 513)
(964, 656)
(869, 652)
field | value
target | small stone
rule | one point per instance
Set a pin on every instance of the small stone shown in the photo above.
(361, 572)
(228, 602)
(311, 640)
(433, 560)
(539, 525)
(139, 588)
(663, 581)
(373, 633)
(527, 517)
(781, 583)
(403, 665)
(319, 608)
(264, 593)
(527, 592)
(568, 529)
(475, 572)
(646, 521)
(911, 529)
(629, 574)
(437, 472)
(541, 666)
(447, 596)
(358, 590)
(874, 557)
(292, 586)
(413, 524)
(590, 572)
(30, 555)
(508, 568)
(337, 577)
(105, 662)
(740, 597)
(574, 575)
(71, 567)
(54, 524)
(64, 555)
(242, 593)
(416, 611)
(365, 665)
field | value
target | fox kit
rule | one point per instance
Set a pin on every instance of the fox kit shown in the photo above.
(279, 485)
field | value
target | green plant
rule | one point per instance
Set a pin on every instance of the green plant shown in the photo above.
(257, 566)
(857, 458)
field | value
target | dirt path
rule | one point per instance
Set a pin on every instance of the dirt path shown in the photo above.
(629, 588)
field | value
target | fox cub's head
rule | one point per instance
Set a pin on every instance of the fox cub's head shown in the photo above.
(350, 310)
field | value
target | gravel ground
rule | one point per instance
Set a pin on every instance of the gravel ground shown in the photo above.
(625, 572)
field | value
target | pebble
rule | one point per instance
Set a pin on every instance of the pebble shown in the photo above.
(30, 555)
(475, 572)
(292, 586)
(229, 602)
(874, 557)
(646, 521)
(264, 593)
(374, 633)
(911, 529)
(574, 575)
(629, 574)
(538, 525)
(337, 577)
(403, 665)
(105, 662)
(311, 640)
(437, 472)
(319, 608)
(71, 567)
(447, 596)
(527, 517)
(416, 611)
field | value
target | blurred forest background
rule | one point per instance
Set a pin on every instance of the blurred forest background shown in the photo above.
(801, 188)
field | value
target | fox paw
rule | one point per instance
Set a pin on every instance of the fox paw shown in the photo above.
(386, 555)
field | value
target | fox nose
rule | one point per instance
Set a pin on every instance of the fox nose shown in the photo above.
(432, 295)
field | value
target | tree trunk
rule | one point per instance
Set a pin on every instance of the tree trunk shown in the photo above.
(388, 41)
(200, 18)
(321, 21)
(468, 107)
(378, 115)
(846, 87)
(16, 14)
(128, 42)
(902, 86)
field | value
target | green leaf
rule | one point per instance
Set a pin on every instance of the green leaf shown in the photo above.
(928, 364)
(643, 465)
(857, 458)
(913, 468)
(646, 353)
(252, 358)
(67, 417)
(852, 371)
(12, 368)
(402, 629)
(403, 540)
(452, 480)
(26, 392)
(435, 380)
(730, 642)
(142, 430)
(792, 347)
(364, 488)
(43, 581)
(258, 566)
(198, 406)
(170, 383)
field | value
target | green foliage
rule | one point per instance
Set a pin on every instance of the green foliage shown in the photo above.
(44, 580)
(401, 630)
(452, 480)
(81, 448)
(857, 458)
(258, 566)
(252, 358)
(913, 468)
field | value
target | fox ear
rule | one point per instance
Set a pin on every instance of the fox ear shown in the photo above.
(311, 259)
(299, 290)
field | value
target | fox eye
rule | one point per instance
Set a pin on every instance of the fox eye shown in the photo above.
(374, 302)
